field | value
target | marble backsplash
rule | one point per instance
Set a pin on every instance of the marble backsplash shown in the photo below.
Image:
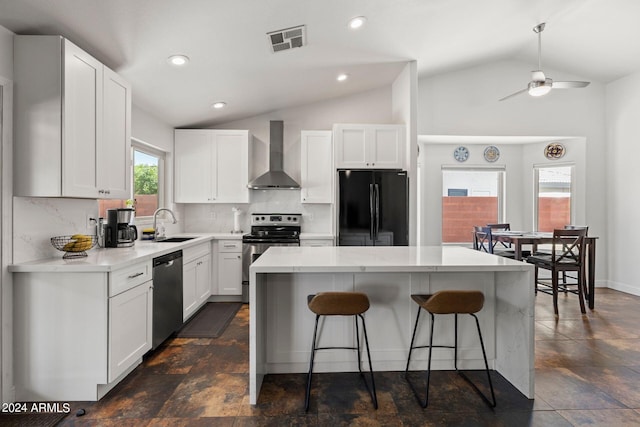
(37, 219)
(218, 218)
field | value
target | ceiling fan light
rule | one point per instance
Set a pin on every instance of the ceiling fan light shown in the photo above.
(539, 88)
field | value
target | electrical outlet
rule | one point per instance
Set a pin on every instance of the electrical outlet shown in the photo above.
(310, 216)
(212, 214)
(91, 221)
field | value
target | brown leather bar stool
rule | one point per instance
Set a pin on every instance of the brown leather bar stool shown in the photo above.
(341, 304)
(449, 302)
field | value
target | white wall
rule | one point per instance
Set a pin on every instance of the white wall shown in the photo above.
(154, 132)
(623, 125)
(466, 102)
(404, 110)
(367, 107)
(6, 185)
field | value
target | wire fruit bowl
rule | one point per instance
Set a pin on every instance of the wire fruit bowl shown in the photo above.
(74, 246)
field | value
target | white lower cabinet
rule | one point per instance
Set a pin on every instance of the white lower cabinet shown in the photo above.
(316, 242)
(77, 334)
(196, 278)
(230, 267)
(130, 324)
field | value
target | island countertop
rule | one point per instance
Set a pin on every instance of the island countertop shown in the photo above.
(345, 259)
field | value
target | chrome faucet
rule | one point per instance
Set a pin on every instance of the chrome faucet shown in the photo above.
(156, 234)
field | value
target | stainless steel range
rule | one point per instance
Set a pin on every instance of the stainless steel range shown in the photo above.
(267, 229)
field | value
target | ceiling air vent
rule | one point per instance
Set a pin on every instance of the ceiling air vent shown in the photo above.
(287, 39)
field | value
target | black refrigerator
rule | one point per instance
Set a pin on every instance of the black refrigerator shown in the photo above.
(373, 208)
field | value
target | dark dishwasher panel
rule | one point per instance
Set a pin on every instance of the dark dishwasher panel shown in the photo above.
(167, 296)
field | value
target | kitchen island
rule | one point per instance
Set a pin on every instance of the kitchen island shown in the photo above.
(281, 325)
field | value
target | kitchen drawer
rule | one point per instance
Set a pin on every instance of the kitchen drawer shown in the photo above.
(230, 246)
(129, 277)
(192, 252)
(316, 242)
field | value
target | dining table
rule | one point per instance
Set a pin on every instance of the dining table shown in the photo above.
(517, 239)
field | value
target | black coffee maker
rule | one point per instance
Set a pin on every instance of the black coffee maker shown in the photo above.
(118, 232)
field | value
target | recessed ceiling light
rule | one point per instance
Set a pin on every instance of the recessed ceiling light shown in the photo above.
(178, 60)
(218, 105)
(357, 22)
(342, 77)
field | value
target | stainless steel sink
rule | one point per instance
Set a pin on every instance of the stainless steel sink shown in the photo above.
(175, 239)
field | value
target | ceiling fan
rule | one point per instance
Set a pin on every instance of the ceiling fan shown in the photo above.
(541, 84)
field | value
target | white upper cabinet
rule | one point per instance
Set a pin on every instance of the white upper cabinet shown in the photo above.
(73, 122)
(114, 168)
(211, 166)
(316, 167)
(369, 146)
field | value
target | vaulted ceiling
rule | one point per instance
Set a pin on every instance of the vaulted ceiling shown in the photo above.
(231, 59)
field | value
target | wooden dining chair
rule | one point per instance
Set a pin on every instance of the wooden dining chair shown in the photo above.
(483, 240)
(567, 254)
(501, 227)
(569, 279)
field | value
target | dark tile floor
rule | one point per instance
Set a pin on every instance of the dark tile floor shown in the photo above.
(587, 373)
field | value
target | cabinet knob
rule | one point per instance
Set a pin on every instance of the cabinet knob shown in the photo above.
(100, 191)
(238, 256)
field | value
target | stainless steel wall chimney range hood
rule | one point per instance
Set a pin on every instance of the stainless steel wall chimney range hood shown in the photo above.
(275, 178)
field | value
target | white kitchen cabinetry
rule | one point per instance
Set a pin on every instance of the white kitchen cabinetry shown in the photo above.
(196, 280)
(130, 327)
(76, 335)
(230, 267)
(316, 242)
(211, 166)
(369, 146)
(316, 167)
(73, 122)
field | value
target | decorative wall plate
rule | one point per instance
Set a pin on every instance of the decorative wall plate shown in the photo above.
(491, 153)
(554, 151)
(461, 154)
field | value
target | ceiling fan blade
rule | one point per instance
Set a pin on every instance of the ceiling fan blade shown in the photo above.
(513, 94)
(569, 85)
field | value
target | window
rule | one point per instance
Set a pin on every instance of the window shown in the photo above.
(147, 174)
(553, 196)
(470, 197)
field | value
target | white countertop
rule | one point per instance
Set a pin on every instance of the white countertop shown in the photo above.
(109, 259)
(293, 259)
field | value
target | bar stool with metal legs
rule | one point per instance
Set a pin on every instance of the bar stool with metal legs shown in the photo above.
(341, 304)
(449, 302)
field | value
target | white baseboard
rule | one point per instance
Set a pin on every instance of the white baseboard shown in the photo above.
(623, 287)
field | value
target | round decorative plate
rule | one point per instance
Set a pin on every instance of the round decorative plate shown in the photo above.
(461, 154)
(554, 151)
(491, 153)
